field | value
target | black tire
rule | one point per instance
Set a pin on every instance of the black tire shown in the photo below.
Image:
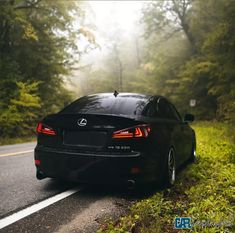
(170, 169)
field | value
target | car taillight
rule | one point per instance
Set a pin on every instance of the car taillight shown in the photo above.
(44, 129)
(139, 131)
(37, 162)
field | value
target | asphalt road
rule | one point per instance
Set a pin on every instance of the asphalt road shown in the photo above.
(83, 211)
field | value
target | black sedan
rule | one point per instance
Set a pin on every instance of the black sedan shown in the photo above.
(115, 138)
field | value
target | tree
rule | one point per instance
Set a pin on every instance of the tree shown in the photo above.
(168, 18)
(38, 45)
(204, 72)
(22, 111)
(210, 74)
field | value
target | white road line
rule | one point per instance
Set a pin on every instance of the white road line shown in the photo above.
(34, 208)
(16, 153)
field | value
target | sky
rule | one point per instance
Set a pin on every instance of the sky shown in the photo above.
(123, 12)
(107, 16)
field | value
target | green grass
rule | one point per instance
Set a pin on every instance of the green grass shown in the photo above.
(10, 141)
(204, 191)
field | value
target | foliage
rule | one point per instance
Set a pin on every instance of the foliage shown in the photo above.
(19, 114)
(206, 73)
(168, 18)
(38, 48)
(13, 140)
(204, 191)
(209, 75)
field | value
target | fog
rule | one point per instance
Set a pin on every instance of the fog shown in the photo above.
(114, 27)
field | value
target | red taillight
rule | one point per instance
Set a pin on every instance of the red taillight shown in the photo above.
(37, 162)
(139, 131)
(44, 129)
(135, 170)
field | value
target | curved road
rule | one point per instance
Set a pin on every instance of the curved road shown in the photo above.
(83, 211)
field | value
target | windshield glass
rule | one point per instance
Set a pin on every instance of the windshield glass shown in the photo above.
(108, 104)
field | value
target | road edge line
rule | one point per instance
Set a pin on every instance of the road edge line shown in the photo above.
(34, 208)
(16, 153)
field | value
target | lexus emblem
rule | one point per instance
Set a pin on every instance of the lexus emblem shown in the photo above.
(82, 122)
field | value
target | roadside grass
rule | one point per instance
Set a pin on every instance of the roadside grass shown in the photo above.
(204, 191)
(10, 141)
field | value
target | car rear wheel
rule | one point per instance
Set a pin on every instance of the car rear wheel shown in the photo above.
(170, 170)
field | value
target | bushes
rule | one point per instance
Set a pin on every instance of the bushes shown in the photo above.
(18, 115)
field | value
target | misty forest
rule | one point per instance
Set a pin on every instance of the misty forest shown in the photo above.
(52, 52)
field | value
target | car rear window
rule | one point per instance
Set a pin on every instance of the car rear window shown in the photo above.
(108, 104)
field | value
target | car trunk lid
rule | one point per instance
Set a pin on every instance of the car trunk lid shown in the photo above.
(85, 131)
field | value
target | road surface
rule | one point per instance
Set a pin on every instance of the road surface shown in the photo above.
(50, 206)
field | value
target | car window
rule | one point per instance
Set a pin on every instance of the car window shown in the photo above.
(108, 104)
(164, 110)
(150, 109)
(175, 112)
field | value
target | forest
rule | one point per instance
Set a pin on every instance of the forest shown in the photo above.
(181, 49)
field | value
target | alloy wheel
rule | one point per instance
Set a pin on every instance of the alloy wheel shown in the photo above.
(171, 167)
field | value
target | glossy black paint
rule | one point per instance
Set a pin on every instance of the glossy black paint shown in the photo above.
(89, 154)
(188, 118)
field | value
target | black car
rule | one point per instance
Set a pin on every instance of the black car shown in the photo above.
(115, 138)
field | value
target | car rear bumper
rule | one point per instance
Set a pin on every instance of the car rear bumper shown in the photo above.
(93, 167)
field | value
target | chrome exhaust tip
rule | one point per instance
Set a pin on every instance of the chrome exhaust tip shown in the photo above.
(130, 184)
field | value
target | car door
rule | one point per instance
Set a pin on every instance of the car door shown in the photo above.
(184, 135)
(173, 123)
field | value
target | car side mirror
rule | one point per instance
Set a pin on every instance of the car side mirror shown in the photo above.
(188, 118)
